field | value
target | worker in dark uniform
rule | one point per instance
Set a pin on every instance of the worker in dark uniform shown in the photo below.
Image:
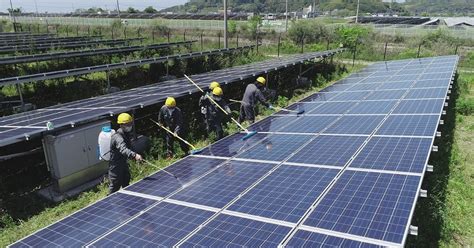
(171, 117)
(252, 94)
(120, 151)
(204, 104)
(215, 115)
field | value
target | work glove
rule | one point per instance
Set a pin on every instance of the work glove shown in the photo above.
(203, 110)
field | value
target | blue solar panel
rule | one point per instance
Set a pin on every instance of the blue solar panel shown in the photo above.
(309, 124)
(306, 106)
(394, 153)
(427, 93)
(328, 150)
(84, 226)
(332, 108)
(232, 145)
(397, 77)
(373, 107)
(286, 194)
(221, 186)
(161, 226)
(364, 87)
(431, 83)
(336, 87)
(396, 85)
(312, 239)
(410, 125)
(272, 123)
(276, 147)
(368, 204)
(432, 106)
(230, 231)
(350, 96)
(350, 124)
(162, 183)
(386, 95)
(433, 76)
(319, 97)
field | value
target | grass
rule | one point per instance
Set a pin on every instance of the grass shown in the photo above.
(47, 213)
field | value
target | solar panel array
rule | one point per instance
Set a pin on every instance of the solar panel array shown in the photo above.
(82, 53)
(341, 182)
(108, 67)
(18, 127)
(72, 44)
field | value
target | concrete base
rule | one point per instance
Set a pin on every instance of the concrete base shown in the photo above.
(50, 194)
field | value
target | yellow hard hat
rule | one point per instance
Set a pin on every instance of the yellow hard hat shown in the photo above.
(214, 85)
(217, 91)
(261, 80)
(170, 102)
(124, 118)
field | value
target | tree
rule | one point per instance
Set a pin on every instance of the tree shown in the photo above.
(232, 28)
(150, 10)
(351, 36)
(15, 10)
(253, 25)
(132, 10)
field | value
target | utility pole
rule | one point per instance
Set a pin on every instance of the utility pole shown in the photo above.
(36, 7)
(357, 11)
(12, 13)
(225, 24)
(286, 16)
(118, 10)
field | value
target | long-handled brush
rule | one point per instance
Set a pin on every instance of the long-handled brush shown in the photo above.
(194, 149)
(298, 112)
(249, 133)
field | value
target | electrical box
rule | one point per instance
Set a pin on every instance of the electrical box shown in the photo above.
(72, 156)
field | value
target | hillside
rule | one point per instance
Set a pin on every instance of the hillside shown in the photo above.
(450, 7)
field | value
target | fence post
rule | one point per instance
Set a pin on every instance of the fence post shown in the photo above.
(302, 43)
(125, 32)
(153, 34)
(237, 37)
(168, 36)
(202, 44)
(279, 43)
(77, 30)
(256, 40)
(327, 44)
(112, 30)
(219, 40)
(354, 54)
(138, 32)
(385, 51)
(184, 35)
(419, 48)
(456, 50)
(89, 30)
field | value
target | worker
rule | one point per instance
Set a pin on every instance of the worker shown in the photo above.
(214, 115)
(171, 117)
(120, 151)
(252, 94)
(204, 103)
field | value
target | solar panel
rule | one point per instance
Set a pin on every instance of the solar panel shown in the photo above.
(350, 96)
(224, 184)
(308, 124)
(396, 85)
(89, 223)
(328, 150)
(164, 183)
(286, 194)
(228, 231)
(275, 147)
(386, 95)
(304, 238)
(332, 108)
(355, 124)
(427, 93)
(83, 53)
(410, 125)
(394, 154)
(341, 178)
(164, 225)
(432, 106)
(232, 145)
(373, 107)
(368, 204)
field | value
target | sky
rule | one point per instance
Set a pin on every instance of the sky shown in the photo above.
(70, 5)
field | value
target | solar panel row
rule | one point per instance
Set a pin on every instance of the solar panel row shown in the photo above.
(18, 127)
(46, 40)
(299, 188)
(107, 67)
(83, 53)
(73, 44)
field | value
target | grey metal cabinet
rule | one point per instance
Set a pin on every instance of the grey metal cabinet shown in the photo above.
(72, 156)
